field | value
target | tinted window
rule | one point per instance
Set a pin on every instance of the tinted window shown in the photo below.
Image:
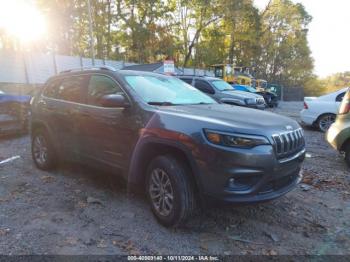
(219, 72)
(100, 86)
(52, 88)
(71, 89)
(187, 80)
(204, 87)
(340, 97)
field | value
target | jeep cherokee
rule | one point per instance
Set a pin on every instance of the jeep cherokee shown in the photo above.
(164, 135)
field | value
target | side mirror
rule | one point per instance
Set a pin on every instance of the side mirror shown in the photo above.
(114, 100)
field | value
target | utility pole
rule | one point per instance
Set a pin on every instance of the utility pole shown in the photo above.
(92, 47)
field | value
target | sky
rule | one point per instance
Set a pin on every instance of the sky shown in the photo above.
(329, 34)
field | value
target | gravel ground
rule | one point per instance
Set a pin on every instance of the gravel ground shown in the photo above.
(75, 210)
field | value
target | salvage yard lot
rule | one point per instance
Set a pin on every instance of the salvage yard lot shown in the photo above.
(76, 210)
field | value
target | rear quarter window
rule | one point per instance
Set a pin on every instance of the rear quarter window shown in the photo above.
(71, 88)
(340, 97)
(50, 90)
(187, 80)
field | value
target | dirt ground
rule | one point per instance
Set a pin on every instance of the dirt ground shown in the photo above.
(76, 210)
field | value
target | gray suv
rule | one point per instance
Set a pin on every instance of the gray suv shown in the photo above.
(165, 137)
(223, 92)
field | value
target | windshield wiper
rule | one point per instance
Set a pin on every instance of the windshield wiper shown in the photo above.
(228, 89)
(165, 103)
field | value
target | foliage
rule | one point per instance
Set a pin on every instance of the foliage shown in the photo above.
(319, 86)
(285, 56)
(192, 32)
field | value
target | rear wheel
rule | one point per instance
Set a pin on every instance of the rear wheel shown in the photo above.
(325, 121)
(170, 191)
(43, 153)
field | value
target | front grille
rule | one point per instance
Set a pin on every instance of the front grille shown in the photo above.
(260, 101)
(288, 143)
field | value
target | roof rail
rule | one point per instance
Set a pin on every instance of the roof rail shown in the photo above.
(104, 67)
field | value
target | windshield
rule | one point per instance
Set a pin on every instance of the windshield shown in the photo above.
(222, 85)
(166, 90)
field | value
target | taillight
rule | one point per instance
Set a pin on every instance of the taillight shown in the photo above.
(344, 107)
(305, 106)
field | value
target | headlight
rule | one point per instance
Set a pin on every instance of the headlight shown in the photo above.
(235, 140)
(250, 101)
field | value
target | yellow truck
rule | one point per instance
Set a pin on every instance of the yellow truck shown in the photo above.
(233, 74)
(260, 85)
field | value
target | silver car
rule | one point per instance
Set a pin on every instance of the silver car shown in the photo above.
(222, 92)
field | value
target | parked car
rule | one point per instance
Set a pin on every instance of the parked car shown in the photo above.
(14, 112)
(223, 92)
(322, 111)
(338, 135)
(270, 98)
(244, 88)
(167, 137)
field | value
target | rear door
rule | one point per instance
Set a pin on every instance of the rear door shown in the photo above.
(61, 106)
(107, 134)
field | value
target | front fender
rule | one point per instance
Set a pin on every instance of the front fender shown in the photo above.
(136, 173)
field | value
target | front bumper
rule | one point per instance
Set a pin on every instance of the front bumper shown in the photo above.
(257, 106)
(257, 174)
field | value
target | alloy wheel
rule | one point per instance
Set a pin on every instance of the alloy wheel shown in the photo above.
(161, 192)
(40, 149)
(326, 122)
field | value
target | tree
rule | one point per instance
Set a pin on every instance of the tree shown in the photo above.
(140, 22)
(191, 18)
(285, 57)
(242, 22)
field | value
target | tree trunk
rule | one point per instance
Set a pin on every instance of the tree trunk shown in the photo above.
(232, 48)
(109, 29)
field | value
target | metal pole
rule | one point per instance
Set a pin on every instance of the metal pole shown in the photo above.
(92, 47)
(54, 63)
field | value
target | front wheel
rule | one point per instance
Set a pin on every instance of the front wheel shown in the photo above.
(170, 191)
(325, 121)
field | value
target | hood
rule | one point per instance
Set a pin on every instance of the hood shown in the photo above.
(241, 94)
(15, 98)
(231, 118)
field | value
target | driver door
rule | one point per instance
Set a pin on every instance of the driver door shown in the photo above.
(107, 134)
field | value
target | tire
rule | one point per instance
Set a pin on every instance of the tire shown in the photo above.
(178, 195)
(43, 153)
(325, 121)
